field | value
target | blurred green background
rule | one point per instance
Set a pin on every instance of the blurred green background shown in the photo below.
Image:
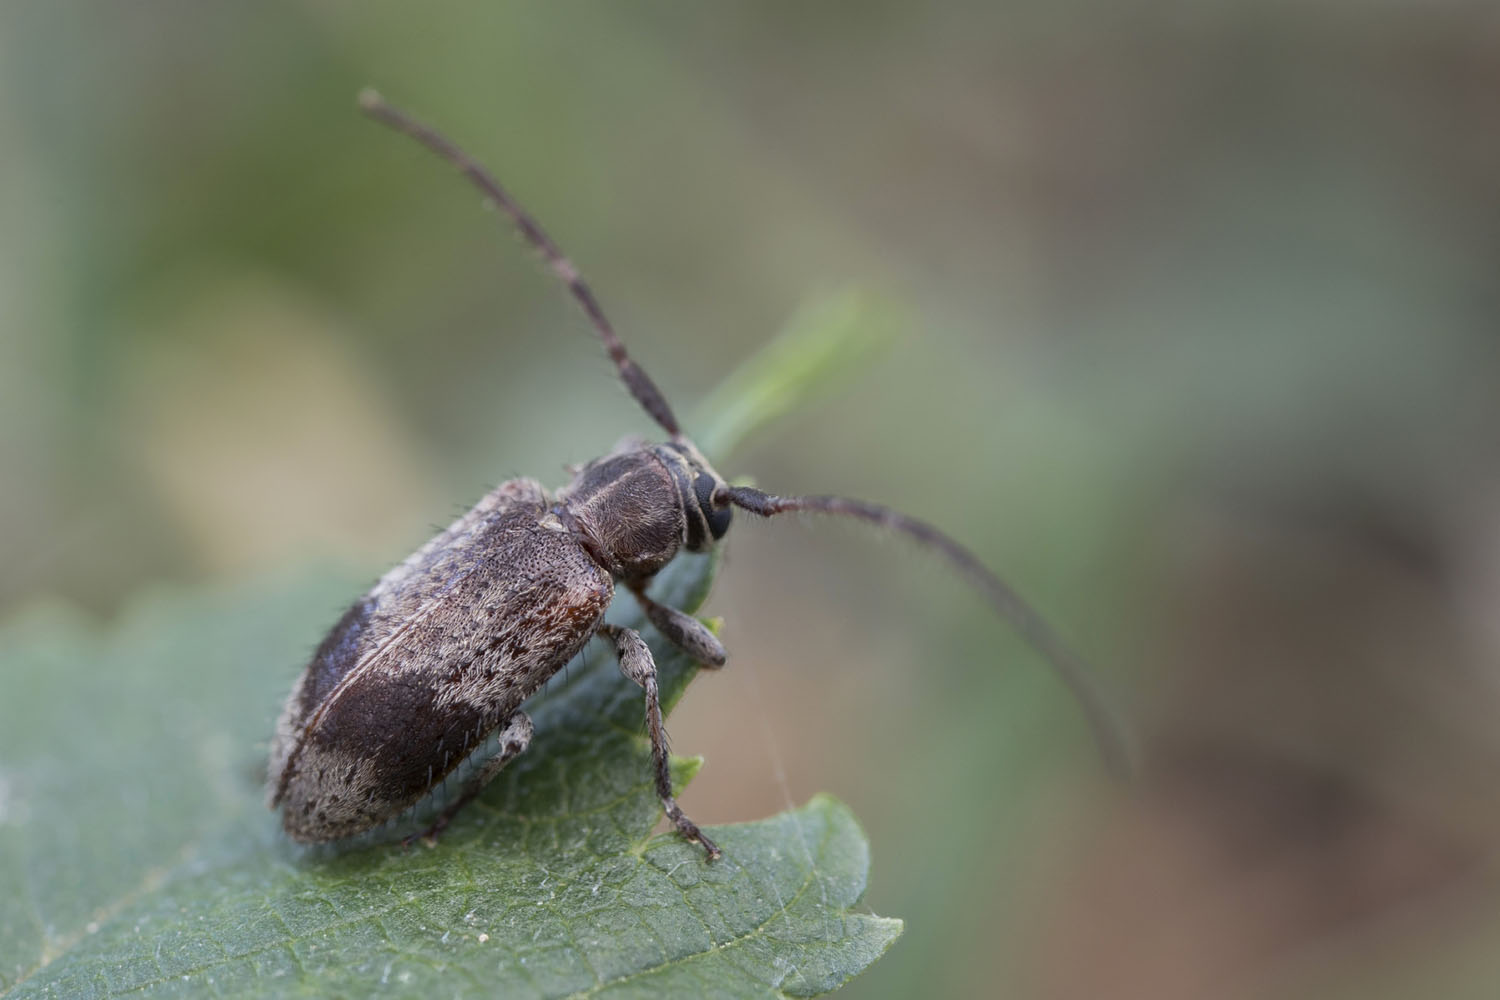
(1196, 307)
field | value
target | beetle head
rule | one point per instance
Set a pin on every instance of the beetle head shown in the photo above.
(704, 494)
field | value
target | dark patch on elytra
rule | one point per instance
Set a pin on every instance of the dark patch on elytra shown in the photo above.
(365, 715)
(336, 656)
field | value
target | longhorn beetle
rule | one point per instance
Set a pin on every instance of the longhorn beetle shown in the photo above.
(448, 645)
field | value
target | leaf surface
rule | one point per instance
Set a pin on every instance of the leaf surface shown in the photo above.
(137, 857)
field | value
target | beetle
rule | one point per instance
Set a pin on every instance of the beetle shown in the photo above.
(447, 647)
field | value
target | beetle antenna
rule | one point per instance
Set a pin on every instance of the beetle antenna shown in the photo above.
(636, 380)
(1109, 730)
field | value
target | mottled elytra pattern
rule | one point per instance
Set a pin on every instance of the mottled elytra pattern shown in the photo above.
(444, 648)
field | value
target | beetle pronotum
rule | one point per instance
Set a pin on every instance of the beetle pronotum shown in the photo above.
(447, 646)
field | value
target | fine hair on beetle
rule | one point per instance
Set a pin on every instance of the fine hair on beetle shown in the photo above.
(436, 661)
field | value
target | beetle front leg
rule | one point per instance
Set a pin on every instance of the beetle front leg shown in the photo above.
(637, 664)
(514, 739)
(683, 631)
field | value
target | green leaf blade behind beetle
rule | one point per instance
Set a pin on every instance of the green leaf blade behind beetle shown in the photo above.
(824, 343)
(137, 856)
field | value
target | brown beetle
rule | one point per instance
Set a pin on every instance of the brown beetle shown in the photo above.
(448, 645)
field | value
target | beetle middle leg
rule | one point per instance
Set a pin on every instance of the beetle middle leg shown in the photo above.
(637, 664)
(514, 739)
(683, 631)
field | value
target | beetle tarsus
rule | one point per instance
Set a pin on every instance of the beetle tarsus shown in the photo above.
(690, 831)
(428, 837)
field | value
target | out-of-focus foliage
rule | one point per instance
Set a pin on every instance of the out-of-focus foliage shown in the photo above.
(1200, 354)
(828, 340)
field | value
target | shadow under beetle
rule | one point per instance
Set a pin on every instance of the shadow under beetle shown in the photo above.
(448, 645)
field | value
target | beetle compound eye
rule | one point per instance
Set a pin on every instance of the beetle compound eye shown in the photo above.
(718, 522)
(706, 487)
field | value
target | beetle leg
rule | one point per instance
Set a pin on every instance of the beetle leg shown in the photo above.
(637, 664)
(683, 631)
(514, 738)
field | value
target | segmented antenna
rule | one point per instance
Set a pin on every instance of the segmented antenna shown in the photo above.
(1109, 731)
(636, 381)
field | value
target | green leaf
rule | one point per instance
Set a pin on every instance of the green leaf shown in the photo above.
(827, 339)
(137, 856)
